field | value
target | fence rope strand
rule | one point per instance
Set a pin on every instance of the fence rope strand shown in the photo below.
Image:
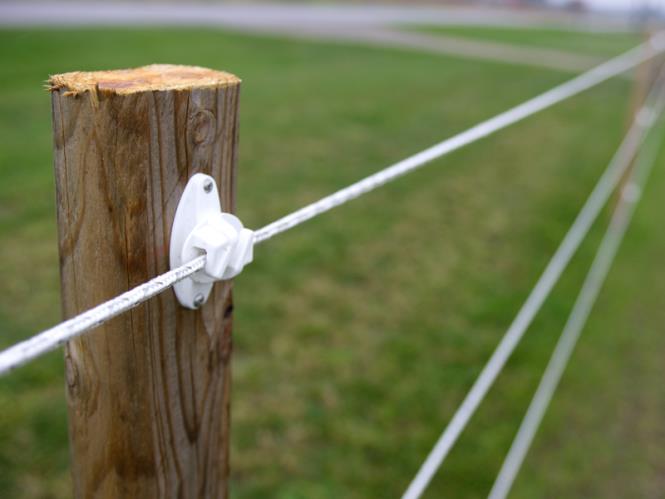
(591, 78)
(50, 339)
(617, 167)
(584, 302)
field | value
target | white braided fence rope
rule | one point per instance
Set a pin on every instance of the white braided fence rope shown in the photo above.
(616, 230)
(617, 167)
(50, 339)
(589, 79)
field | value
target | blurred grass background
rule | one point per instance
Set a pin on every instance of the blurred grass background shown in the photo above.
(357, 335)
(599, 43)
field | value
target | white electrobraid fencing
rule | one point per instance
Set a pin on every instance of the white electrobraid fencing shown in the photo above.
(56, 336)
(50, 339)
(621, 217)
(644, 121)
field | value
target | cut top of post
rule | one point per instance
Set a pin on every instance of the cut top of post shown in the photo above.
(155, 77)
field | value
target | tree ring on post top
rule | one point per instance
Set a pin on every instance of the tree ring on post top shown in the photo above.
(155, 77)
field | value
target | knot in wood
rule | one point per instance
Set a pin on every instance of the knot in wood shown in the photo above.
(203, 127)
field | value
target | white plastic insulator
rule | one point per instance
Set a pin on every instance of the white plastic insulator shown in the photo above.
(200, 227)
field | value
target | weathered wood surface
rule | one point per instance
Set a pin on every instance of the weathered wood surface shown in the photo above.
(148, 392)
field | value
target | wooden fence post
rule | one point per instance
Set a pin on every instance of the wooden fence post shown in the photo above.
(643, 78)
(148, 392)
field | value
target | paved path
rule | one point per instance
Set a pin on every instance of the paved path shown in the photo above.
(454, 46)
(375, 25)
(277, 16)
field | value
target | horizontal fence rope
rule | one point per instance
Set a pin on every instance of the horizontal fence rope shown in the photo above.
(593, 282)
(52, 338)
(606, 184)
(591, 78)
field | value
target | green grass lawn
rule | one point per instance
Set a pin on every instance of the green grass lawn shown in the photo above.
(358, 334)
(601, 43)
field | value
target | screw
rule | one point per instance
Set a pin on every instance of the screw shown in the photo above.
(207, 186)
(198, 300)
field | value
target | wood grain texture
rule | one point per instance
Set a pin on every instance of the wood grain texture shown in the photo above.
(148, 392)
